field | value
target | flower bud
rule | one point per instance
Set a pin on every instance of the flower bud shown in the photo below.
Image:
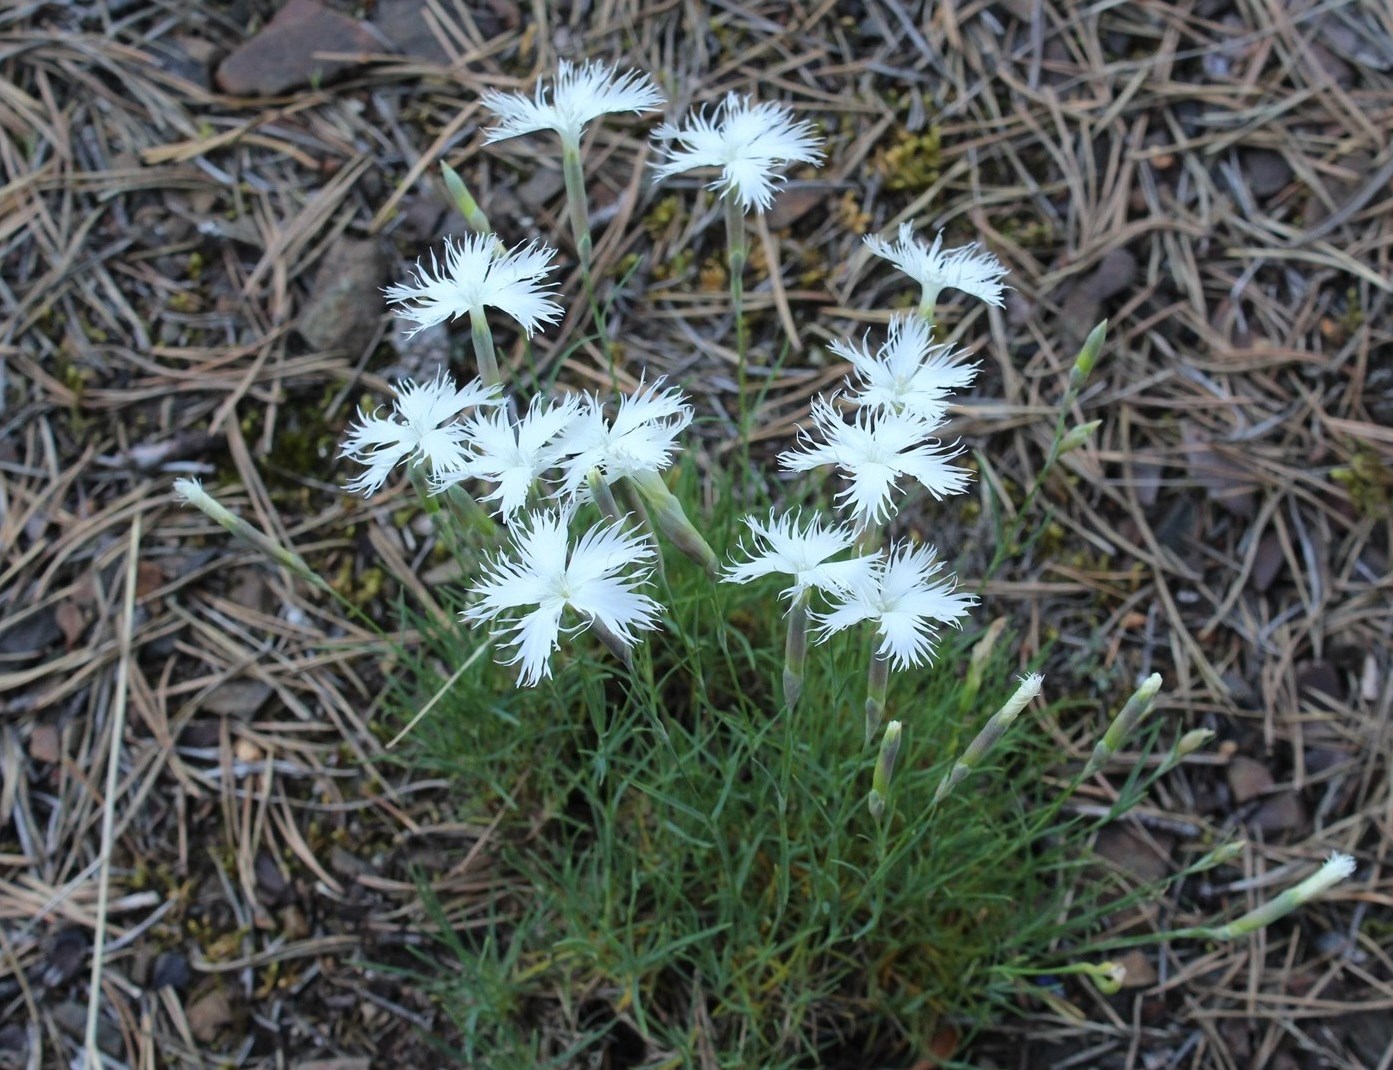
(885, 765)
(1078, 436)
(991, 732)
(192, 493)
(474, 216)
(1137, 707)
(1108, 977)
(1193, 740)
(977, 664)
(1221, 855)
(1088, 356)
(670, 518)
(1336, 868)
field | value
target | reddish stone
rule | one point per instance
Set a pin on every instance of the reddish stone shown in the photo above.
(287, 53)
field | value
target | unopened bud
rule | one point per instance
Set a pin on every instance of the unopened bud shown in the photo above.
(991, 732)
(1108, 977)
(1137, 707)
(1088, 356)
(1185, 746)
(1193, 740)
(1078, 436)
(468, 207)
(192, 493)
(1336, 868)
(671, 519)
(1221, 855)
(977, 664)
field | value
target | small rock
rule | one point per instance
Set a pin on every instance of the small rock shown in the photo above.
(1282, 812)
(199, 735)
(419, 217)
(1082, 306)
(71, 1017)
(33, 634)
(1318, 684)
(346, 300)
(541, 187)
(1225, 481)
(347, 1062)
(269, 880)
(45, 744)
(72, 620)
(1133, 854)
(347, 864)
(404, 23)
(1267, 562)
(1140, 971)
(209, 1015)
(187, 57)
(795, 200)
(171, 971)
(236, 698)
(1267, 172)
(1248, 779)
(65, 957)
(14, 1043)
(283, 55)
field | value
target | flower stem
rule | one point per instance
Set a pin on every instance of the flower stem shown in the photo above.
(578, 211)
(877, 683)
(738, 254)
(577, 208)
(796, 650)
(604, 497)
(483, 348)
(928, 302)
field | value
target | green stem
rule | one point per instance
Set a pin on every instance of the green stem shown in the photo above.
(577, 208)
(578, 212)
(738, 255)
(796, 650)
(483, 348)
(877, 684)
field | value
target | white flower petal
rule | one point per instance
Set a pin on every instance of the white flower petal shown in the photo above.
(421, 428)
(968, 268)
(597, 579)
(784, 546)
(477, 275)
(908, 373)
(580, 94)
(642, 437)
(897, 594)
(749, 142)
(873, 451)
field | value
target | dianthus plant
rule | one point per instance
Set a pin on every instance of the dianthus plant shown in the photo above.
(581, 486)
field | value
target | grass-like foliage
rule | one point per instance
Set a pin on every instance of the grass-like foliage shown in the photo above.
(693, 857)
(733, 821)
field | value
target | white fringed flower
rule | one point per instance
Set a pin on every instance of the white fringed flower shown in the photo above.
(642, 437)
(747, 141)
(422, 427)
(899, 596)
(580, 94)
(874, 451)
(598, 579)
(781, 545)
(908, 373)
(514, 453)
(478, 274)
(969, 268)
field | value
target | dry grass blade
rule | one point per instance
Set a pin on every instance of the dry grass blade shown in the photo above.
(1212, 176)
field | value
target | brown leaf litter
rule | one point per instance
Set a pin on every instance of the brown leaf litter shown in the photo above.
(190, 272)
